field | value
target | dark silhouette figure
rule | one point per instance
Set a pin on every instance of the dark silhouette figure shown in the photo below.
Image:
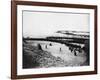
(60, 49)
(50, 44)
(46, 46)
(75, 52)
(39, 47)
(80, 50)
(71, 49)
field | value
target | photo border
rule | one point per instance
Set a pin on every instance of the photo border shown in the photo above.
(14, 38)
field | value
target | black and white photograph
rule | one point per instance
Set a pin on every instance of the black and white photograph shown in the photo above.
(55, 39)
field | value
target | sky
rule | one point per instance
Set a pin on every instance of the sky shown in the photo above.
(39, 24)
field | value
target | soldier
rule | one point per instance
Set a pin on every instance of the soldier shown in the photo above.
(39, 47)
(60, 49)
(75, 52)
(50, 44)
(71, 49)
(46, 46)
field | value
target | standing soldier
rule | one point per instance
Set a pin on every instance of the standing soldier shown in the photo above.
(46, 46)
(60, 48)
(39, 47)
(75, 52)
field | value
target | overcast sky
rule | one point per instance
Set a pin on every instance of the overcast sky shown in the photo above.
(37, 24)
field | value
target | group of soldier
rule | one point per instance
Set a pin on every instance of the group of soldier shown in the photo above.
(74, 49)
(46, 46)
